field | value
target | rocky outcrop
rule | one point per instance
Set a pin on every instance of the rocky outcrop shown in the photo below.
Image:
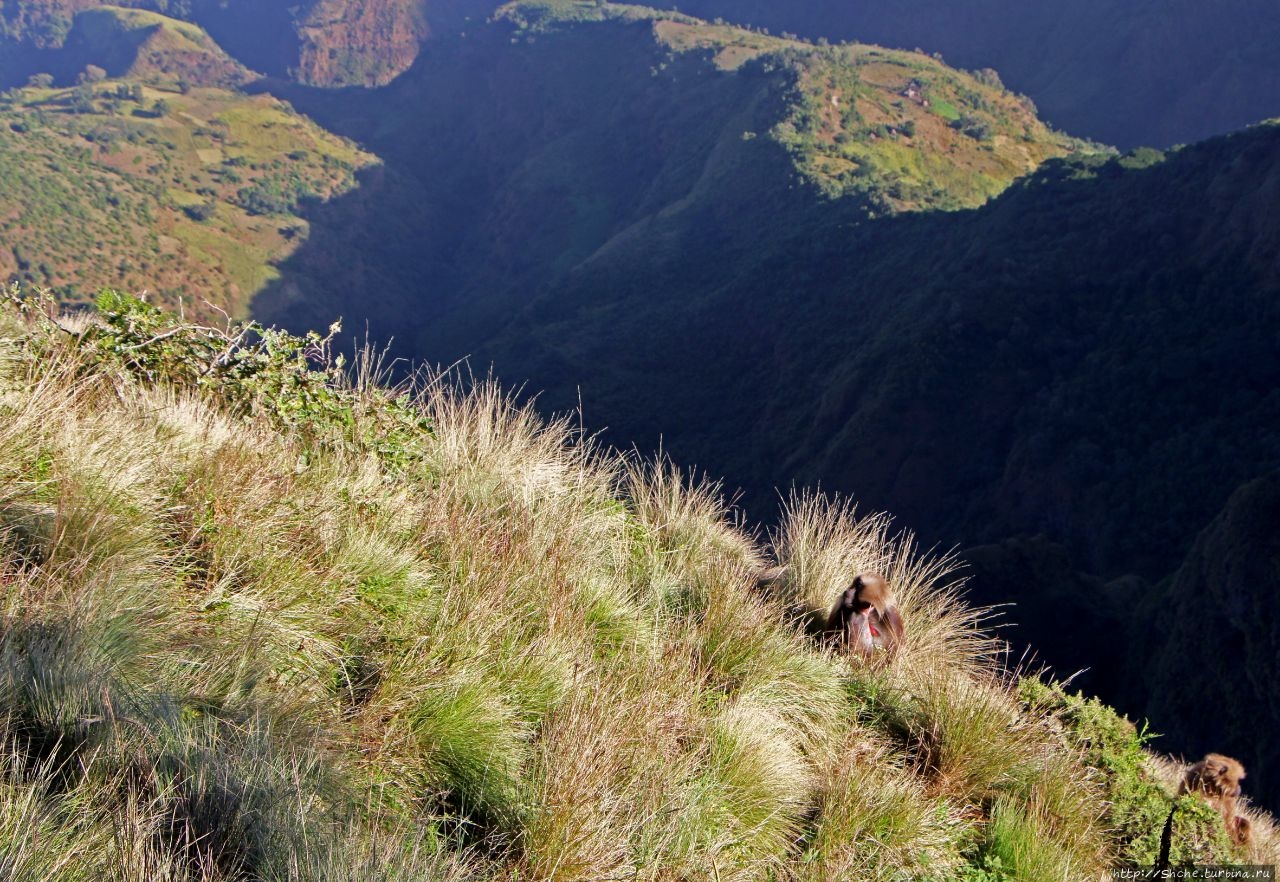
(359, 42)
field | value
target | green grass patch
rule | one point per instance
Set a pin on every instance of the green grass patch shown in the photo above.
(945, 109)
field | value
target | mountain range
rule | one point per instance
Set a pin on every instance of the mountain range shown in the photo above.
(1156, 73)
(779, 256)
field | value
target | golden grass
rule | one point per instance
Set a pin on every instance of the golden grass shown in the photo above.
(517, 656)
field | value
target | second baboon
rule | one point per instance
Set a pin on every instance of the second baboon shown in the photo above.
(1217, 779)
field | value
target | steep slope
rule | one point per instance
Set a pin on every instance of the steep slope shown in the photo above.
(1215, 629)
(1091, 316)
(1156, 73)
(313, 631)
(359, 43)
(140, 45)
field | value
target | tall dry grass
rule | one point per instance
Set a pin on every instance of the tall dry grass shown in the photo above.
(490, 651)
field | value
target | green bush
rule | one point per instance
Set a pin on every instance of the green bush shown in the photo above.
(1138, 804)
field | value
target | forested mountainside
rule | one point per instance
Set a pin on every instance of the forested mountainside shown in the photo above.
(562, 131)
(205, 179)
(1156, 73)
(262, 622)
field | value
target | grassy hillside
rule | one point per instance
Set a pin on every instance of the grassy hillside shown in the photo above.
(131, 183)
(900, 128)
(144, 45)
(307, 629)
(1156, 73)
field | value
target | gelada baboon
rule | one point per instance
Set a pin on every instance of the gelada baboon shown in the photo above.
(1217, 778)
(866, 616)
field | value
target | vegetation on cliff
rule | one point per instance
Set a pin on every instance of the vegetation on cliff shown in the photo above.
(564, 132)
(260, 621)
(1157, 74)
(173, 180)
(898, 128)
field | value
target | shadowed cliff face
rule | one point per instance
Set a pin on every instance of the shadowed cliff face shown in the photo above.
(506, 163)
(1209, 652)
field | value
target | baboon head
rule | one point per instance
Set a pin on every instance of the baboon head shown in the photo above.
(1215, 776)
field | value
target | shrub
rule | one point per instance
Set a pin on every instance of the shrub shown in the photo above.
(1137, 802)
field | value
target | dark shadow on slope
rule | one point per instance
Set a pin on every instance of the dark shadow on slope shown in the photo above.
(504, 168)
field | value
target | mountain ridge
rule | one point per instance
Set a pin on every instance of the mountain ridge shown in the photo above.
(657, 137)
(1155, 74)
